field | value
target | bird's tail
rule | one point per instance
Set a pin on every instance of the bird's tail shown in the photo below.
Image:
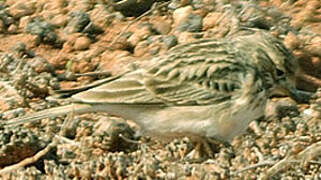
(52, 112)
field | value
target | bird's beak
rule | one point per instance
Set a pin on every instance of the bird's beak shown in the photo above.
(298, 95)
(281, 91)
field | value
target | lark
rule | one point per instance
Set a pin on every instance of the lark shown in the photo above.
(209, 88)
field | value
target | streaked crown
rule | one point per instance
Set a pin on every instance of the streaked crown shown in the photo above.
(269, 55)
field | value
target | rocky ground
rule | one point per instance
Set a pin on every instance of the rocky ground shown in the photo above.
(51, 45)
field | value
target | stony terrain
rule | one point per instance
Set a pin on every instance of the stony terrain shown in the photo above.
(60, 44)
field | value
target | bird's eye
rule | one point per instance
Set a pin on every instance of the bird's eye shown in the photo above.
(279, 73)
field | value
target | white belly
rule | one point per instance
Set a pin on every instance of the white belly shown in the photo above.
(209, 120)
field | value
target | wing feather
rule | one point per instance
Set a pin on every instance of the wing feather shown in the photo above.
(144, 88)
(128, 89)
(175, 78)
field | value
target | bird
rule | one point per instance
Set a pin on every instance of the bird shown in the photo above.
(210, 88)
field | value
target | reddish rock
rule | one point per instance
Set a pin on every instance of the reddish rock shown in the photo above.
(82, 43)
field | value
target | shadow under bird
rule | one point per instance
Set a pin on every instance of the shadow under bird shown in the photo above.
(207, 88)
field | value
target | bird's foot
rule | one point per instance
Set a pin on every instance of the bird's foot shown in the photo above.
(204, 149)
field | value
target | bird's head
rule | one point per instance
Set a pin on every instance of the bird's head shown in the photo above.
(277, 64)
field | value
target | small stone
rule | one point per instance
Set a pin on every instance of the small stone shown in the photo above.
(155, 45)
(185, 37)
(17, 144)
(122, 42)
(20, 9)
(79, 20)
(181, 14)
(192, 24)
(82, 43)
(60, 20)
(108, 131)
(70, 40)
(12, 29)
(114, 61)
(44, 31)
(41, 64)
(100, 16)
(162, 28)
(10, 97)
(291, 41)
(59, 62)
(82, 65)
(281, 107)
(201, 12)
(178, 3)
(314, 47)
(185, 20)
(170, 41)
(141, 34)
(24, 21)
(141, 49)
(316, 61)
(133, 7)
(5, 17)
(211, 20)
(21, 50)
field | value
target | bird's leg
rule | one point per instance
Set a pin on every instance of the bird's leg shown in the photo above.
(203, 148)
(218, 141)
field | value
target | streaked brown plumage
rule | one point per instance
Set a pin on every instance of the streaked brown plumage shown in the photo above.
(209, 88)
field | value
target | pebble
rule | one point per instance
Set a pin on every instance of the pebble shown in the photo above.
(82, 43)
(181, 14)
(140, 34)
(170, 41)
(141, 49)
(21, 50)
(10, 97)
(155, 45)
(291, 41)
(186, 20)
(22, 8)
(17, 144)
(81, 66)
(133, 7)
(60, 20)
(193, 23)
(281, 107)
(41, 64)
(44, 31)
(178, 3)
(24, 21)
(101, 17)
(79, 20)
(185, 37)
(12, 29)
(211, 19)
(107, 130)
(112, 60)
(162, 28)
(5, 19)
(314, 48)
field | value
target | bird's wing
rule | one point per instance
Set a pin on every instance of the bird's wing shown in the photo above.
(127, 89)
(196, 84)
(200, 83)
(202, 72)
(65, 93)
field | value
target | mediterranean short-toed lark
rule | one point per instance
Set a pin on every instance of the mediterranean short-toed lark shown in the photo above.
(208, 88)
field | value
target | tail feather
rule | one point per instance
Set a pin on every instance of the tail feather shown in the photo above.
(52, 112)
